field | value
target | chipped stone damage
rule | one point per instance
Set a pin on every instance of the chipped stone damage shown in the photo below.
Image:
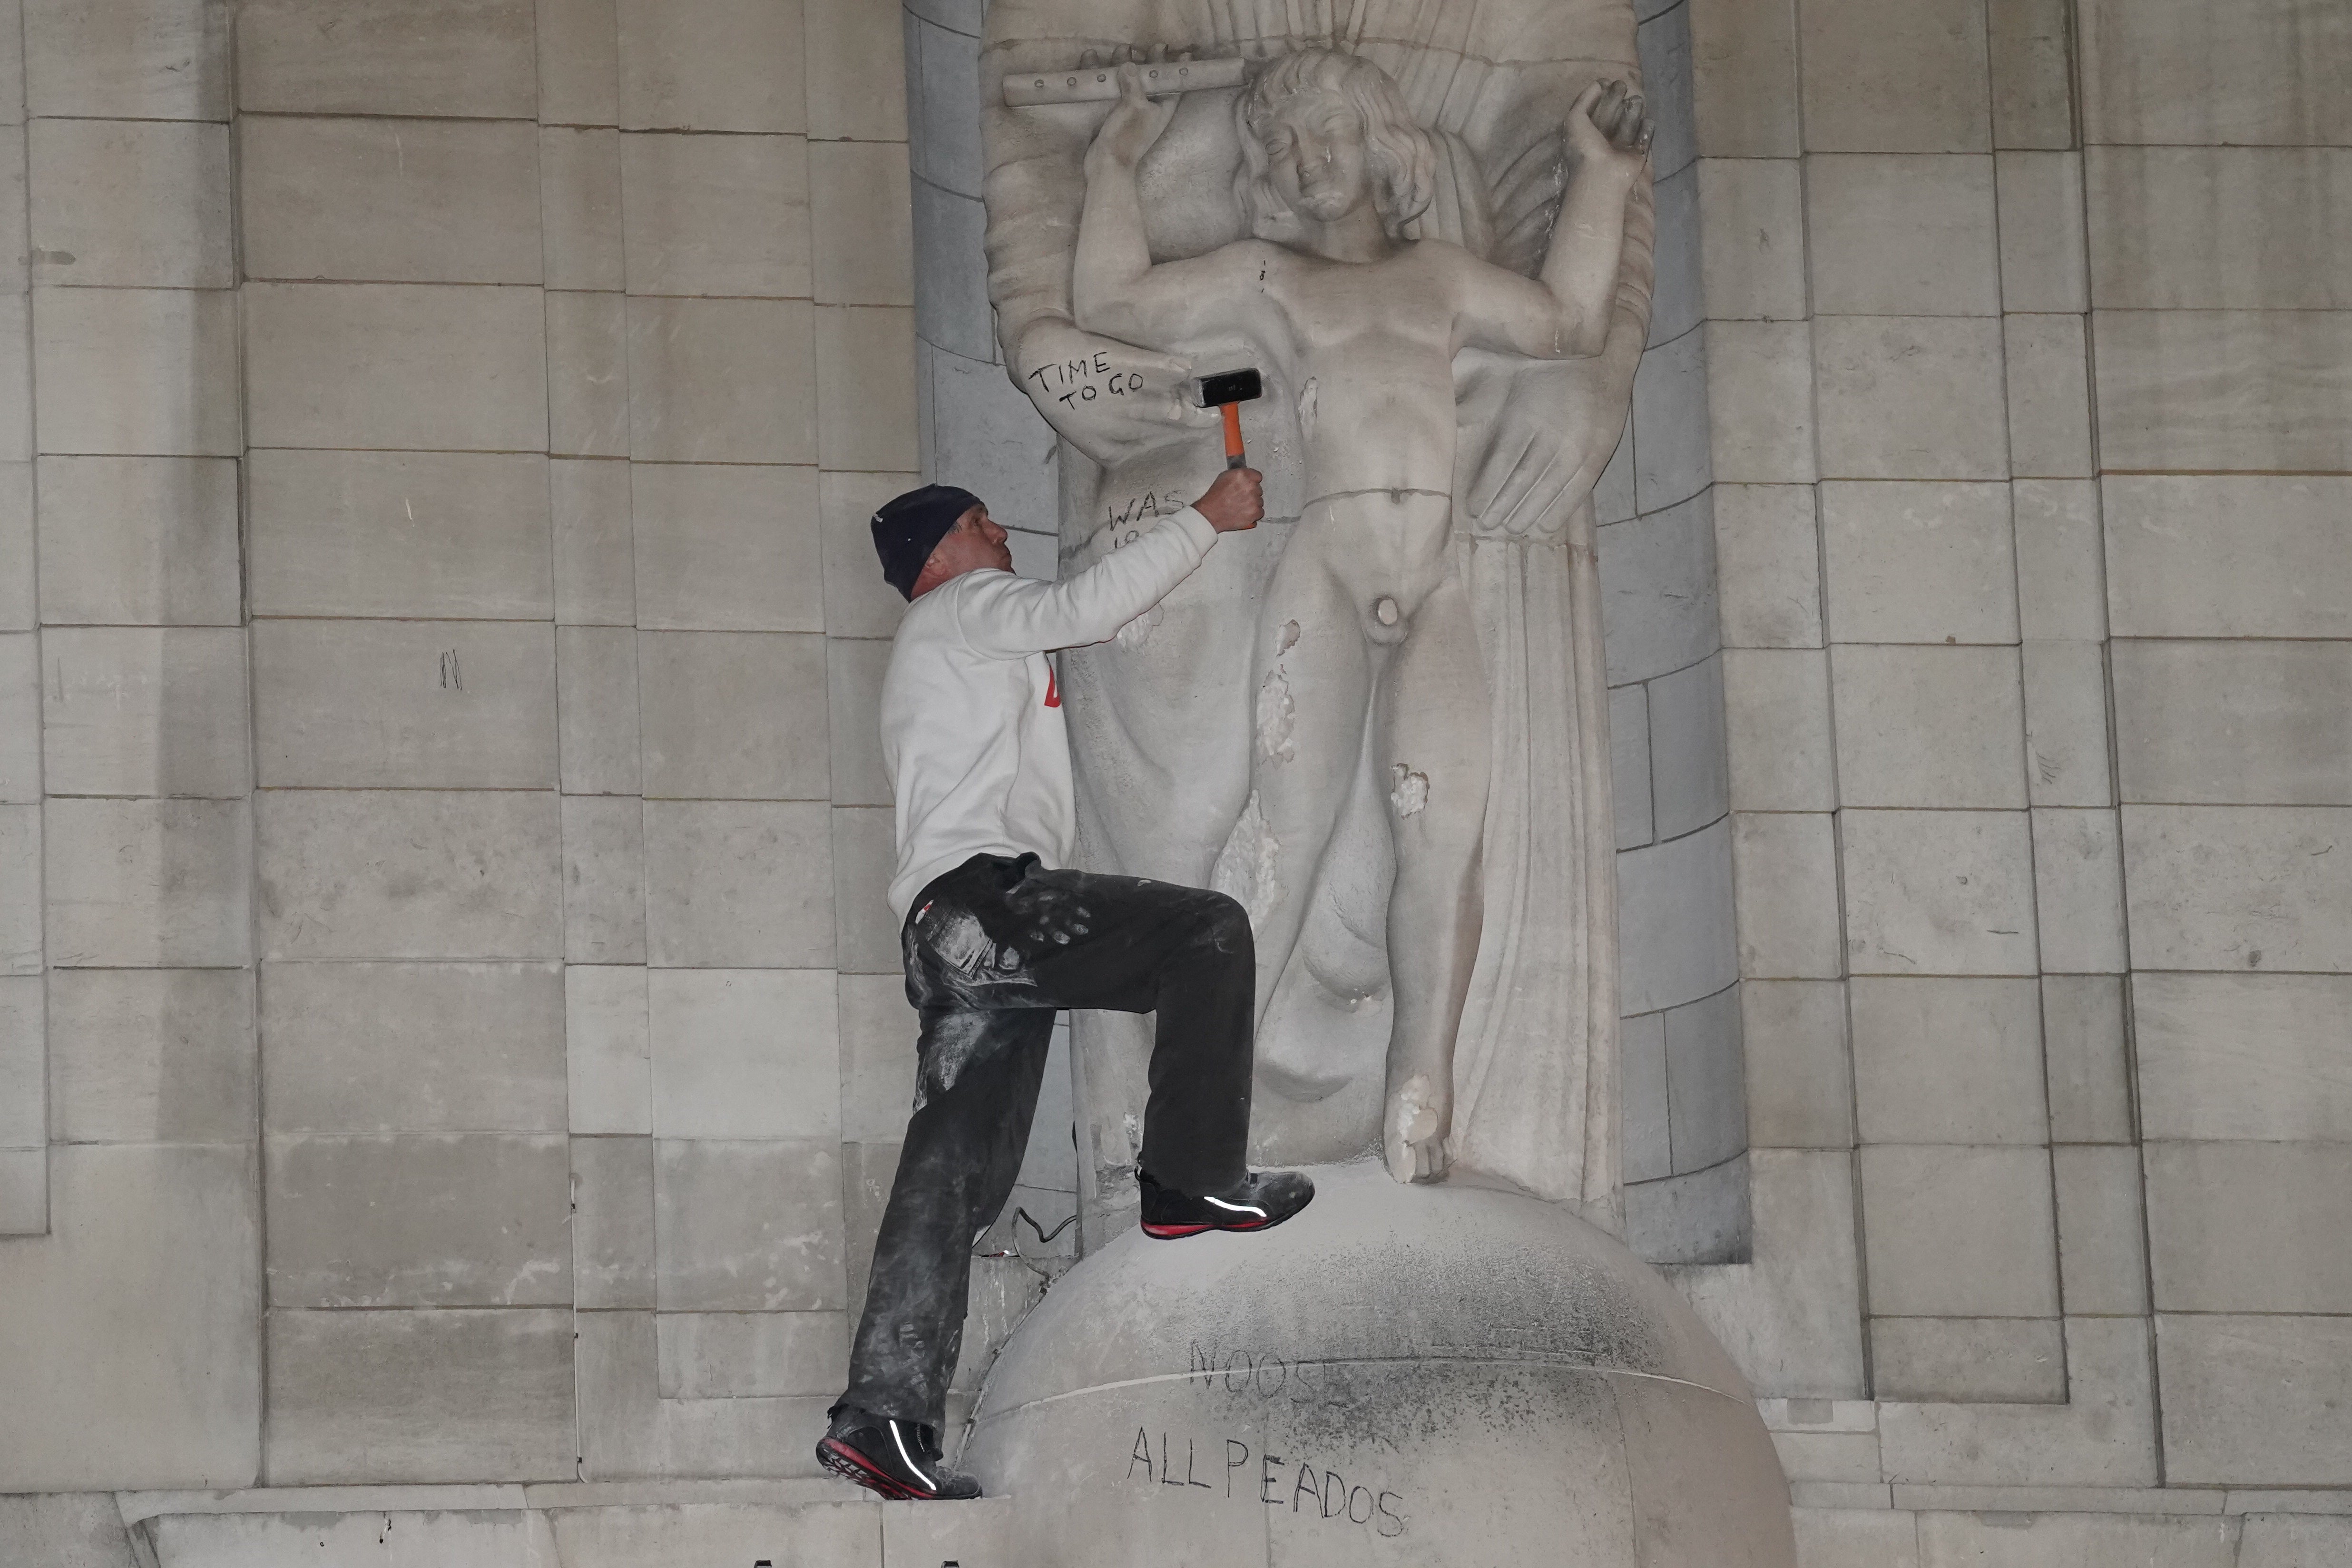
(1276, 714)
(1408, 791)
(1245, 867)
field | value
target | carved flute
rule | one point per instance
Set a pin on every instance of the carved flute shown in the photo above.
(1099, 84)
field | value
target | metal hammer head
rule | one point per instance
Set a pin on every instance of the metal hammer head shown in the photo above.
(1228, 387)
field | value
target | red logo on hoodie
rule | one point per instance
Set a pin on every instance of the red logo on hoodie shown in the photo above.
(1052, 692)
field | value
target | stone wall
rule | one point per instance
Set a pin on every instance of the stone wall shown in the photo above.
(2031, 413)
(451, 1028)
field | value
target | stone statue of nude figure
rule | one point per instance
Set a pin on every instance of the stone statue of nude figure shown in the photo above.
(1363, 622)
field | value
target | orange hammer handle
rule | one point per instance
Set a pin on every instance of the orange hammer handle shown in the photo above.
(1233, 413)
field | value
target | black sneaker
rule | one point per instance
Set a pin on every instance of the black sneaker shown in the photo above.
(1261, 1201)
(897, 1458)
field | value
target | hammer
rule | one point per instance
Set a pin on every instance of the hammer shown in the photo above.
(1226, 392)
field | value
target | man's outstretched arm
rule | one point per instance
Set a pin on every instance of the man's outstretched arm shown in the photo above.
(1010, 618)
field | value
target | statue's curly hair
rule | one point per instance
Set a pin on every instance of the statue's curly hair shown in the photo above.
(1403, 156)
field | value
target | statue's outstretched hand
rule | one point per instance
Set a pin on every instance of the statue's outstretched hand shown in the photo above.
(1609, 124)
(1134, 122)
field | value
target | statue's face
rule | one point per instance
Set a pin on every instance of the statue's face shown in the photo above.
(1316, 156)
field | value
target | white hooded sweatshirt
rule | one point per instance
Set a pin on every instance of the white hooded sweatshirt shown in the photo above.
(973, 735)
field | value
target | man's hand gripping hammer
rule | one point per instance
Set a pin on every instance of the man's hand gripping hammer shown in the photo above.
(1226, 392)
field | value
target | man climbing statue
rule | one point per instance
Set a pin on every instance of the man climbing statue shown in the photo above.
(996, 936)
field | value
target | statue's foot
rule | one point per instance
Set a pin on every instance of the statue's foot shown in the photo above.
(1413, 1131)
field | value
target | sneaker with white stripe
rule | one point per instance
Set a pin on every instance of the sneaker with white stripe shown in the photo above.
(899, 1459)
(1261, 1201)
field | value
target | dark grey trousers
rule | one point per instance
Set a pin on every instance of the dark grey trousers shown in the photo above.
(993, 949)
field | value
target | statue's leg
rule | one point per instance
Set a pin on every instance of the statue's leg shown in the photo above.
(1310, 697)
(1431, 747)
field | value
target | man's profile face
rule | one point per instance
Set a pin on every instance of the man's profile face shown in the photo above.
(974, 544)
(1315, 158)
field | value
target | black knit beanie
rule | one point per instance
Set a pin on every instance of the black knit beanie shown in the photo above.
(910, 526)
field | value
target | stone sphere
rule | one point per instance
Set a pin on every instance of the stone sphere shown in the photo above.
(1446, 1376)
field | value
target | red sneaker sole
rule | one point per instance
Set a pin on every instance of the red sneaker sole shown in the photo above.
(850, 1465)
(1178, 1232)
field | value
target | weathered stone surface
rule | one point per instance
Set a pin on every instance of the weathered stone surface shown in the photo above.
(1940, 892)
(2077, 1540)
(396, 365)
(2078, 891)
(151, 1056)
(2178, 73)
(2260, 1401)
(448, 535)
(22, 917)
(710, 65)
(25, 1115)
(2231, 1226)
(603, 880)
(1671, 458)
(1904, 78)
(2238, 723)
(578, 63)
(479, 1537)
(1752, 229)
(744, 1053)
(716, 214)
(1706, 1091)
(2047, 367)
(1800, 1092)
(2066, 724)
(1648, 1153)
(404, 705)
(1657, 587)
(730, 548)
(859, 200)
(1689, 781)
(1759, 395)
(1856, 1538)
(580, 207)
(65, 1530)
(2233, 390)
(751, 1355)
(2102, 1261)
(722, 380)
(865, 366)
(138, 541)
(733, 715)
(2236, 888)
(2082, 1043)
(740, 884)
(453, 1394)
(140, 710)
(1910, 397)
(140, 59)
(865, 934)
(612, 1222)
(2061, 568)
(135, 883)
(2255, 1057)
(414, 1047)
(1948, 1060)
(410, 874)
(2103, 1435)
(143, 1302)
(587, 374)
(1902, 234)
(854, 671)
(1796, 936)
(1768, 554)
(2229, 227)
(2293, 1541)
(1926, 726)
(477, 1219)
(2012, 1360)
(128, 204)
(353, 200)
(144, 372)
(1920, 562)
(877, 1057)
(1629, 765)
(2042, 266)
(749, 1226)
(1958, 1231)
(595, 548)
(597, 712)
(330, 56)
(1792, 1319)
(607, 1052)
(2227, 557)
